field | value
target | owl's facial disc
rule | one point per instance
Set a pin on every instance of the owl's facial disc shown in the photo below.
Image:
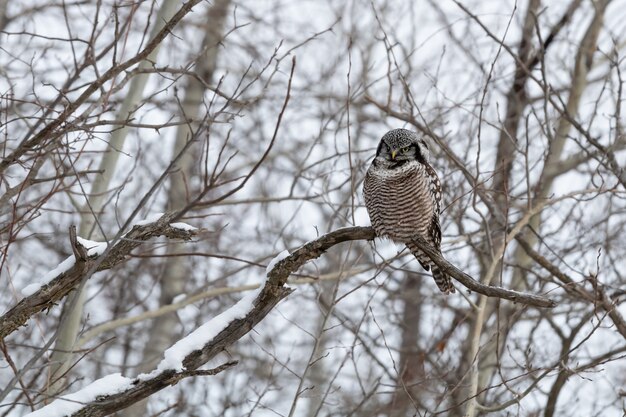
(400, 146)
(398, 154)
(404, 153)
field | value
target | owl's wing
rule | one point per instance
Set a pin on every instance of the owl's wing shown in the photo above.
(435, 189)
(434, 231)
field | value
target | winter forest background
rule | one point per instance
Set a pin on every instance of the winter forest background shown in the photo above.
(254, 122)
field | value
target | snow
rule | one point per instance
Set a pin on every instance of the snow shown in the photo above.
(150, 219)
(183, 226)
(93, 248)
(68, 404)
(179, 297)
(156, 216)
(60, 268)
(276, 260)
(173, 357)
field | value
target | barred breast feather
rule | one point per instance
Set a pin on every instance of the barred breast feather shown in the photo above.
(399, 201)
(404, 202)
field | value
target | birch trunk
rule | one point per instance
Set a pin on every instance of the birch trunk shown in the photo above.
(162, 333)
(583, 63)
(63, 358)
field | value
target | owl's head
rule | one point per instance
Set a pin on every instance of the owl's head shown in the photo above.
(399, 146)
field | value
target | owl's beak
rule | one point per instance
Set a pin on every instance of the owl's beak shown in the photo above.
(394, 153)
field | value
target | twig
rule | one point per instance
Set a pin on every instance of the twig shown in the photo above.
(44, 135)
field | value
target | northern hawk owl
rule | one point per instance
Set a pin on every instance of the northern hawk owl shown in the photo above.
(403, 196)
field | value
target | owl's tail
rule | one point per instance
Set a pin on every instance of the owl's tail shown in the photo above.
(442, 279)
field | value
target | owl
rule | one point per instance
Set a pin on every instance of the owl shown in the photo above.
(403, 197)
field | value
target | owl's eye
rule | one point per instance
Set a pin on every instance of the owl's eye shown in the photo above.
(406, 149)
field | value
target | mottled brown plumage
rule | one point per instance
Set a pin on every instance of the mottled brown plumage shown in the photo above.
(403, 196)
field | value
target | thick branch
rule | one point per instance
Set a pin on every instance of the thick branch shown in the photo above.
(271, 294)
(517, 100)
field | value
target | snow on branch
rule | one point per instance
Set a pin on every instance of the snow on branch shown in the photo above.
(183, 359)
(88, 257)
(196, 340)
(93, 250)
(68, 404)
(187, 355)
(169, 371)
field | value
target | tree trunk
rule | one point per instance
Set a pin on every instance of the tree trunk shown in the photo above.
(162, 332)
(62, 357)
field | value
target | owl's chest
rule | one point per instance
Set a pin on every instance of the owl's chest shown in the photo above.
(410, 184)
(399, 202)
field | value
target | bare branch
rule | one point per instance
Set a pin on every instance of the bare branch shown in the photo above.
(48, 132)
(472, 284)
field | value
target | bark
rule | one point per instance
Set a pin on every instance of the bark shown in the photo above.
(517, 100)
(484, 289)
(3, 14)
(411, 362)
(564, 372)
(273, 292)
(317, 374)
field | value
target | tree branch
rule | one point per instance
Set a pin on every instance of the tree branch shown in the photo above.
(48, 295)
(47, 133)
(600, 299)
(272, 293)
(472, 284)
